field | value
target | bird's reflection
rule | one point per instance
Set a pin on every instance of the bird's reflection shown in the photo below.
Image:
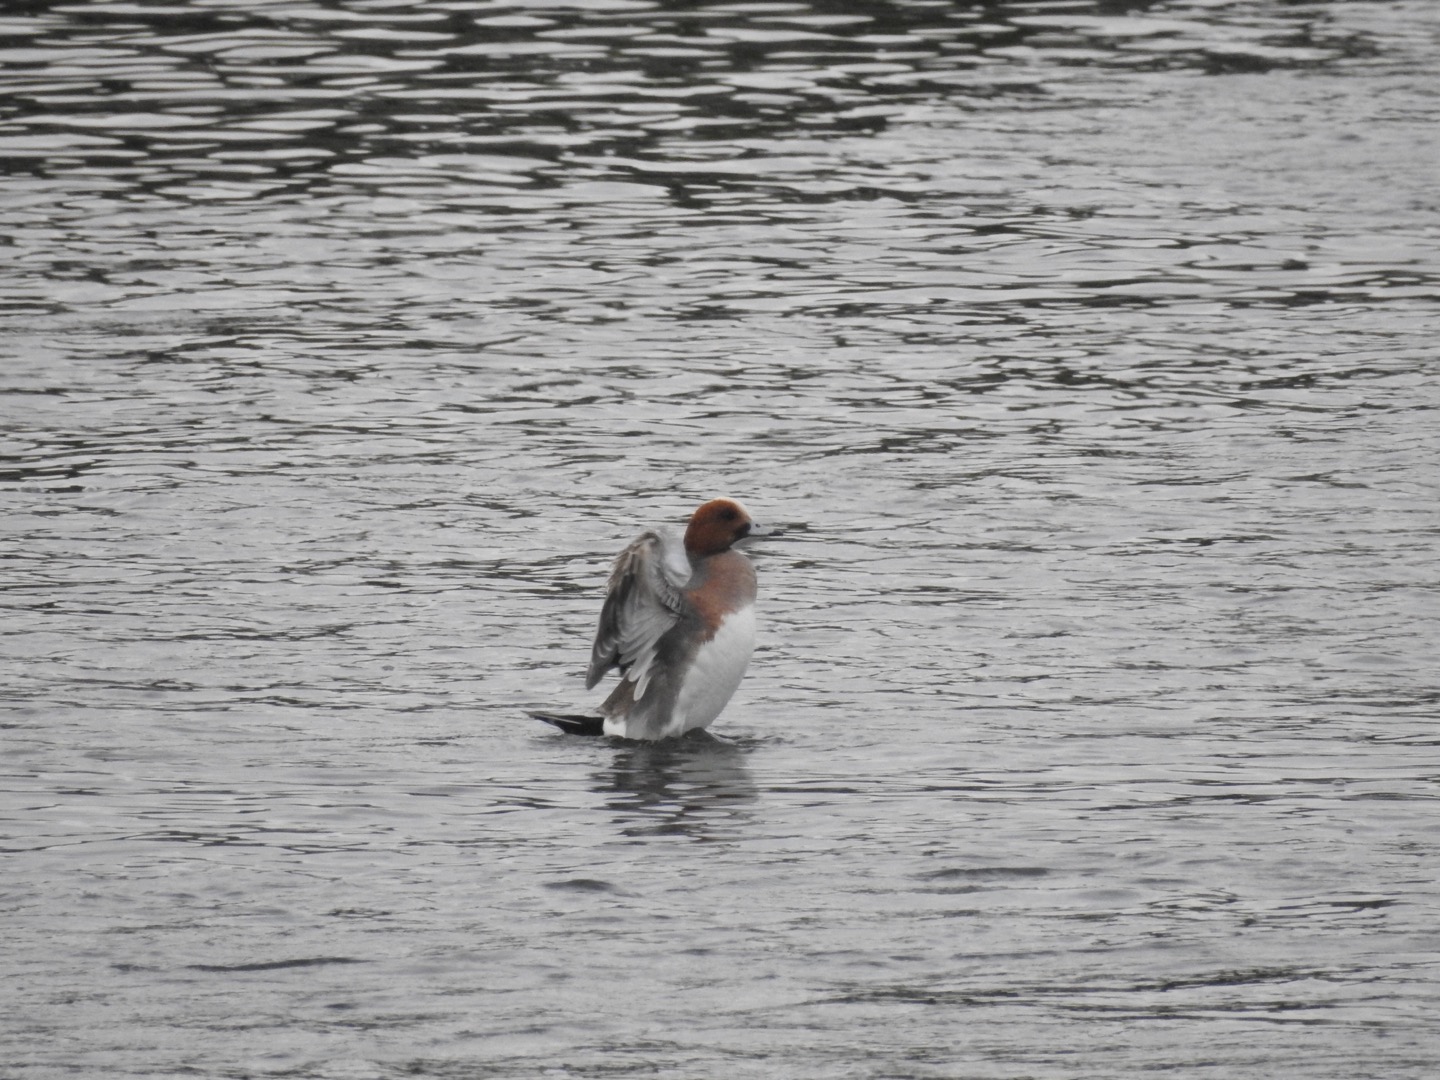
(696, 786)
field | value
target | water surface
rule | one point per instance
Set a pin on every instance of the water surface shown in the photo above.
(1086, 351)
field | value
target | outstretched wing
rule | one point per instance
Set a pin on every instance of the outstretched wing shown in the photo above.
(644, 601)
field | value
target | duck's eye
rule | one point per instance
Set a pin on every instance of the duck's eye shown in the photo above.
(728, 515)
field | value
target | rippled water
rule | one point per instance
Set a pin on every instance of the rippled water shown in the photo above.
(1085, 350)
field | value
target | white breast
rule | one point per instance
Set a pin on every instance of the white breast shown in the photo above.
(716, 671)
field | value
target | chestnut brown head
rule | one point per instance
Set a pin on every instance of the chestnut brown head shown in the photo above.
(716, 525)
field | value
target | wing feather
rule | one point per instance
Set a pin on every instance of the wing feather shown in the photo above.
(643, 602)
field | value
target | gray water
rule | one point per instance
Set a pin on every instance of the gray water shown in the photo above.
(1086, 352)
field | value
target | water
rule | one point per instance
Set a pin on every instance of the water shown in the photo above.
(1086, 352)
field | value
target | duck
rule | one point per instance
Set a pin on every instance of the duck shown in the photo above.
(678, 623)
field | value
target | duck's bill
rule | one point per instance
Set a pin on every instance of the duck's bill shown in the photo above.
(761, 532)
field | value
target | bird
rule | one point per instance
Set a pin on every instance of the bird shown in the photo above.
(679, 623)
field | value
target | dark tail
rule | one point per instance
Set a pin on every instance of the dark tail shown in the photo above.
(573, 725)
